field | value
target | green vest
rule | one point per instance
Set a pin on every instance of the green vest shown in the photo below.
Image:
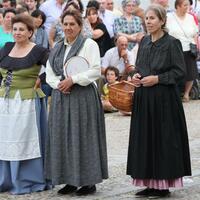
(23, 80)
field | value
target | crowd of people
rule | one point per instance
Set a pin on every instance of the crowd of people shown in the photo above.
(62, 140)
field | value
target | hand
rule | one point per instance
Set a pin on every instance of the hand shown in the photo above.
(124, 54)
(149, 80)
(65, 85)
(37, 84)
(136, 80)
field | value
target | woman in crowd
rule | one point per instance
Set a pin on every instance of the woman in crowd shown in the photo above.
(158, 155)
(182, 26)
(99, 31)
(76, 148)
(40, 37)
(6, 27)
(23, 122)
(129, 25)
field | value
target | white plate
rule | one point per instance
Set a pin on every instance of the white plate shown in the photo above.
(75, 65)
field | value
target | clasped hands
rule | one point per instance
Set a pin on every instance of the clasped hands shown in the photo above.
(65, 85)
(147, 81)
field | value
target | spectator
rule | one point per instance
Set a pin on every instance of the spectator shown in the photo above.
(6, 27)
(128, 25)
(110, 6)
(32, 5)
(107, 18)
(53, 10)
(99, 32)
(182, 26)
(111, 75)
(119, 57)
(164, 3)
(40, 37)
(6, 4)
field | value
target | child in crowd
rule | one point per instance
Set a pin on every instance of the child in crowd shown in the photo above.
(112, 76)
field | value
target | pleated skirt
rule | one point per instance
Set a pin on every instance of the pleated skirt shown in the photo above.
(158, 142)
(76, 148)
(26, 176)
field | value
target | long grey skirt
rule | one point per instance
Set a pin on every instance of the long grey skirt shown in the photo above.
(76, 148)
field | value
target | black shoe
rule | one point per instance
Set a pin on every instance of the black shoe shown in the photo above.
(144, 193)
(159, 194)
(85, 190)
(68, 189)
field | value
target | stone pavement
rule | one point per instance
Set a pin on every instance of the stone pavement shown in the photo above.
(118, 186)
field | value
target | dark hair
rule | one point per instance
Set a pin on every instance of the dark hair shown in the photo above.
(37, 13)
(25, 19)
(13, 3)
(9, 10)
(75, 14)
(21, 10)
(114, 69)
(93, 9)
(178, 3)
(23, 5)
(93, 3)
(80, 4)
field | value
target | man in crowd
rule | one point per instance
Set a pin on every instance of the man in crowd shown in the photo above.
(119, 57)
(32, 5)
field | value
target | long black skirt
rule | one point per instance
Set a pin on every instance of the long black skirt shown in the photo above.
(191, 66)
(158, 143)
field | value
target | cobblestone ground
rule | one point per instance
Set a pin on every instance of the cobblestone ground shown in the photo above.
(118, 186)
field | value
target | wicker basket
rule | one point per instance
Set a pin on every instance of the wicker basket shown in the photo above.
(121, 94)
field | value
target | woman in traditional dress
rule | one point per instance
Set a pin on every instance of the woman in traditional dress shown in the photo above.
(76, 148)
(23, 122)
(158, 155)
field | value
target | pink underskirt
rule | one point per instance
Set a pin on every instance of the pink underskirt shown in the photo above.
(159, 184)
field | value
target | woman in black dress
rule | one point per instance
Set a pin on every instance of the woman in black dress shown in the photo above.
(158, 155)
(99, 31)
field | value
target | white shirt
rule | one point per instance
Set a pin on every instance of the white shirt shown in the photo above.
(53, 11)
(90, 51)
(108, 19)
(111, 58)
(185, 30)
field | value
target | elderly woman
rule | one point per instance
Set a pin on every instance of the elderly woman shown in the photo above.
(182, 26)
(23, 121)
(129, 25)
(76, 147)
(6, 27)
(158, 155)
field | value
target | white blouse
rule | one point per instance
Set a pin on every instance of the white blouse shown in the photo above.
(90, 51)
(183, 29)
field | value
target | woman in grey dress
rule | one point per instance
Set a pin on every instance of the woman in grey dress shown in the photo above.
(76, 147)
